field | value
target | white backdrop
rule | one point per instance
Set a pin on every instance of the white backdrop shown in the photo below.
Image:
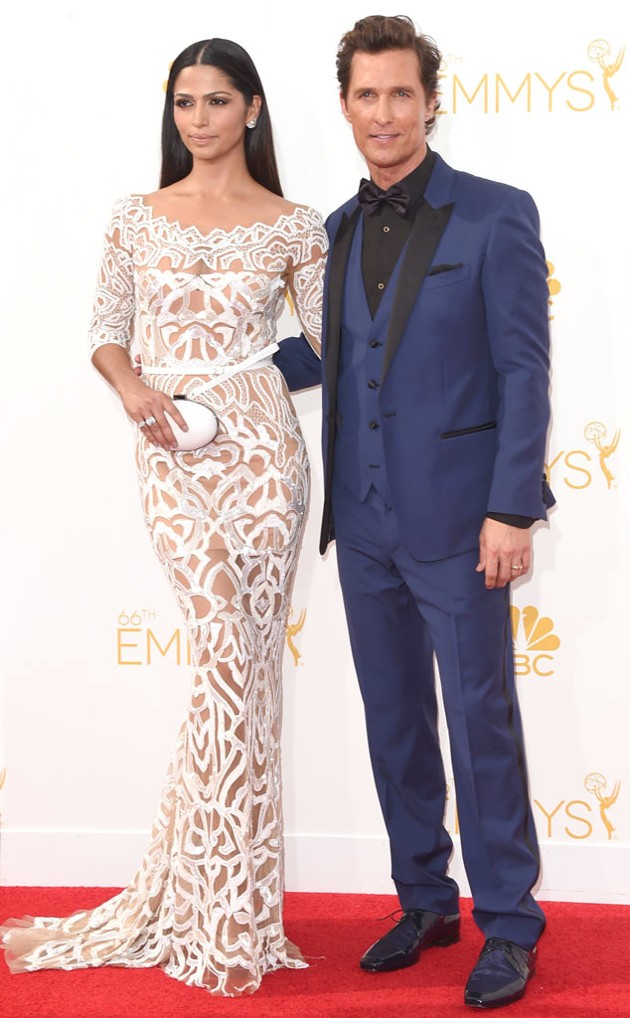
(94, 673)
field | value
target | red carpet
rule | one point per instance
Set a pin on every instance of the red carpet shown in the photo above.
(583, 969)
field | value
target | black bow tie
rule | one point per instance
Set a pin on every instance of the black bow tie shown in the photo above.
(371, 198)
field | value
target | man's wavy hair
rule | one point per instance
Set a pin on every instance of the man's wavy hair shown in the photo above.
(378, 33)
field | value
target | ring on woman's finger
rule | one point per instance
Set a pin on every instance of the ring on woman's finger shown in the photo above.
(149, 421)
(142, 424)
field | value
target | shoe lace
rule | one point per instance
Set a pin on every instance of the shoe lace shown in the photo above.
(395, 916)
(398, 915)
(516, 954)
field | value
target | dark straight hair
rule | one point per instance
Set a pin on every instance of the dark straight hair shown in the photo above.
(238, 67)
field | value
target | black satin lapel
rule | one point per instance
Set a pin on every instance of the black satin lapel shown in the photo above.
(423, 240)
(338, 260)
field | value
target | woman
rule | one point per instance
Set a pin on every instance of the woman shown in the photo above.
(200, 269)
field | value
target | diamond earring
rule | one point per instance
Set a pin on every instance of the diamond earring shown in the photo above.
(251, 124)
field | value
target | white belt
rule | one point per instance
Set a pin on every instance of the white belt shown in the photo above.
(262, 358)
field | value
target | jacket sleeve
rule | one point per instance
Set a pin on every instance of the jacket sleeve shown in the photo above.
(299, 363)
(514, 281)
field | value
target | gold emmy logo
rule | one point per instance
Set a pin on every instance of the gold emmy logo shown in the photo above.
(546, 89)
(570, 818)
(138, 642)
(293, 628)
(575, 468)
(553, 286)
(599, 52)
(595, 432)
(534, 641)
(596, 784)
(451, 817)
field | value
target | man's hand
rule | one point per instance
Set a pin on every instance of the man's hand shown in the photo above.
(504, 553)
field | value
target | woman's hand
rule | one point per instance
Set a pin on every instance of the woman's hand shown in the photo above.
(148, 408)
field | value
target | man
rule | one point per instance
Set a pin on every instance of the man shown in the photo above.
(435, 365)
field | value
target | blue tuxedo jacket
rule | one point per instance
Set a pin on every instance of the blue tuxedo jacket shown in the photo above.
(464, 390)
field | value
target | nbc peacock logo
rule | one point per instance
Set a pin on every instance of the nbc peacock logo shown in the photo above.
(553, 285)
(535, 642)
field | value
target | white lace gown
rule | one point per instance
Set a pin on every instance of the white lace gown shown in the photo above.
(226, 522)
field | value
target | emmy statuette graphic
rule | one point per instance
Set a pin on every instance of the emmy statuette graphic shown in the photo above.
(599, 52)
(595, 432)
(595, 784)
(293, 628)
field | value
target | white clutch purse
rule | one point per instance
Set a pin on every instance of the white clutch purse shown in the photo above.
(202, 424)
(201, 420)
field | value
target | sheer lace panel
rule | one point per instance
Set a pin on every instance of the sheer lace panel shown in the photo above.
(212, 298)
(226, 523)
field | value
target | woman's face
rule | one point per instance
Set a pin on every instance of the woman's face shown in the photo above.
(210, 113)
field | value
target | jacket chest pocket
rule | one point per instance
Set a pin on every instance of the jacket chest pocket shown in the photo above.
(445, 275)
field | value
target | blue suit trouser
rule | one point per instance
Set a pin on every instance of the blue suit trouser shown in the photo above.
(399, 612)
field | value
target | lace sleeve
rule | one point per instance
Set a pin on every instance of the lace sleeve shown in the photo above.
(306, 279)
(112, 318)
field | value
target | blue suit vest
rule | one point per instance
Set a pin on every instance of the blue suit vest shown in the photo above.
(359, 453)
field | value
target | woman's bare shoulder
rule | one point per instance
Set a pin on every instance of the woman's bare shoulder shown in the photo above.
(282, 207)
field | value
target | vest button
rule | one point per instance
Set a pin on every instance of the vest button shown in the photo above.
(374, 343)
(372, 384)
(373, 425)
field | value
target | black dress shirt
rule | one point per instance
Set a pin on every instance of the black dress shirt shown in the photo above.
(385, 234)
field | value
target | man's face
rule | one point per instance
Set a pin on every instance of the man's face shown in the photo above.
(388, 109)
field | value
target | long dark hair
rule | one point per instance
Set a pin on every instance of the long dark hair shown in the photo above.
(238, 67)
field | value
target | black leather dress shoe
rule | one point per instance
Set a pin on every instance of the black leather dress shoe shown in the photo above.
(416, 930)
(501, 974)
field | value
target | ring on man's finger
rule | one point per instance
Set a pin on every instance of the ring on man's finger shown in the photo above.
(517, 568)
(149, 421)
